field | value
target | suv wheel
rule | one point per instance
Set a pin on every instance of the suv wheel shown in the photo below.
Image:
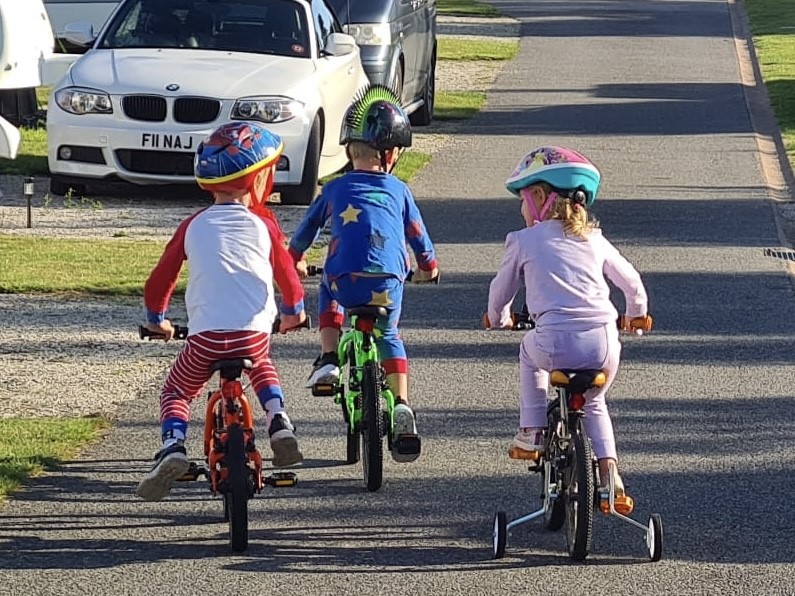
(423, 116)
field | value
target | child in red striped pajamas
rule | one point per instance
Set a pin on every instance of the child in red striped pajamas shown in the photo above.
(235, 251)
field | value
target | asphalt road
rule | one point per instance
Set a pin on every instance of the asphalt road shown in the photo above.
(703, 407)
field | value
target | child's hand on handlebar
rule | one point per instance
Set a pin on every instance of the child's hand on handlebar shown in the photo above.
(638, 325)
(421, 276)
(302, 268)
(165, 329)
(504, 326)
(291, 322)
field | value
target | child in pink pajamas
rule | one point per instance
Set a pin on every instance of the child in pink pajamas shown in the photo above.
(563, 261)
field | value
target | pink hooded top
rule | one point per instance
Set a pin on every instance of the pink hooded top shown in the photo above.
(564, 277)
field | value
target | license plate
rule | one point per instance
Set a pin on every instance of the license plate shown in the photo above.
(161, 140)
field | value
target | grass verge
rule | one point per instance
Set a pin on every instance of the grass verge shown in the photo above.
(32, 155)
(456, 48)
(466, 8)
(773, 27)
(458, 105)
(29, 446)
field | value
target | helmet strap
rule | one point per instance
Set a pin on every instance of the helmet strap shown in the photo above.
(538, 217)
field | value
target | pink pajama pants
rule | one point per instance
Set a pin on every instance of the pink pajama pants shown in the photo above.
(548, 349)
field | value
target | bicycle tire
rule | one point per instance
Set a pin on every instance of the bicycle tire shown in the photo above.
(579, 494)
(237, 490)
(372, 428)
(555, 513)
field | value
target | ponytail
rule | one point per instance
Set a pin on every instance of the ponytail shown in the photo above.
(575, 217)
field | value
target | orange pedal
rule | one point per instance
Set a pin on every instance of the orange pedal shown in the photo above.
(516, 453)
(624, 505)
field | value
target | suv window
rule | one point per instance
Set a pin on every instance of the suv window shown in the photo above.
(256, 26)
(325, 23)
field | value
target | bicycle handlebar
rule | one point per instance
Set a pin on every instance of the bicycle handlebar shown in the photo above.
(181, 331)
(523, 322)
(313, 270)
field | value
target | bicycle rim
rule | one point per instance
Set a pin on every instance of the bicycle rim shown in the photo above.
(579, 494)
(372, 428)
(237, 493)
(555, 509)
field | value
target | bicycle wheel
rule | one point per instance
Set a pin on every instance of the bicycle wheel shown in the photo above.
(372, 428)
(237, 489)
(554, 509)
(579, 494)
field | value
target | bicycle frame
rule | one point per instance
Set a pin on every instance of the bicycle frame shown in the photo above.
(357, 348)
(226, 406)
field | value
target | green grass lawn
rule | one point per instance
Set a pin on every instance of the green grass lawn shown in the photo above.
(458, 105)
(30, 445)
(32, 155)
(467, 8)
(773, 28)
(457, 48)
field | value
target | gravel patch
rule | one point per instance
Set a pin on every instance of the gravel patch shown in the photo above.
(66, 356)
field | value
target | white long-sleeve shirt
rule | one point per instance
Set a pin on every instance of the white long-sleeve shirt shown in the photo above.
(565, 279)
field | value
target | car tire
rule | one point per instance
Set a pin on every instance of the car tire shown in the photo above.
(304, 193)
(423, 116)
(397, 82)
(59, 186)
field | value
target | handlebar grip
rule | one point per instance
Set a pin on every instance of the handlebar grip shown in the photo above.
(180, 332)
(485, 321)
(433, 280)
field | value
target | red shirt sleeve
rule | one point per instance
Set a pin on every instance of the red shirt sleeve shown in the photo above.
(284, 273)
(163, 279)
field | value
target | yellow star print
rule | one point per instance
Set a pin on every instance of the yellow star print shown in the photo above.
(334, 286)
(351, 214)
(380, 298)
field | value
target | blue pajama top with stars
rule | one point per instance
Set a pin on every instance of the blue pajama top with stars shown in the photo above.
(372, 215)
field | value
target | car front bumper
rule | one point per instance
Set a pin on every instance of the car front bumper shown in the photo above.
(113, 145)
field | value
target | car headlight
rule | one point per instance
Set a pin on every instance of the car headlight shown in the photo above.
(267, 109)
(370, 34)
(76, 100)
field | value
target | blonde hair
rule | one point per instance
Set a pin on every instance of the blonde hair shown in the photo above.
(360, 150)
(575, 217)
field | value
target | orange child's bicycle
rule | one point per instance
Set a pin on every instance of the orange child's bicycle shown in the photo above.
(233, 462)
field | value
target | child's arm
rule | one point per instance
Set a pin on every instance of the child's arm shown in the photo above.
(307, 230)
(417, 236)
(284, 273)
(505, 284)
(621, 272)
(163, 279)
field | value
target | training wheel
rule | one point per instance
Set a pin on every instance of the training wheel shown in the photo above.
(500, 536)
(654, 537)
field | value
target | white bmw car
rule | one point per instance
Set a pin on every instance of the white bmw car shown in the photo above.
(163, 73)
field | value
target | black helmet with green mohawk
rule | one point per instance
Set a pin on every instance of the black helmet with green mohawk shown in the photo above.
(376, 118)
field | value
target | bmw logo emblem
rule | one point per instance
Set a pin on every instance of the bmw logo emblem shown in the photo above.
(172, 87)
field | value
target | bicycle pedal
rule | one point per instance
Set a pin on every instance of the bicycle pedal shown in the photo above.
(324, 390)
(193, 473)
(281, 479)
(623, 505)
(516, 453)
(407, 444)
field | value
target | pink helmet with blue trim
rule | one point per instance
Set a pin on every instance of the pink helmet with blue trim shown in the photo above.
(565, 170)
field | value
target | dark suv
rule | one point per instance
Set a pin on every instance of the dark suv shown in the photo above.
(397, 42)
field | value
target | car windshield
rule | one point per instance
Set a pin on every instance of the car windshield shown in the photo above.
(256, 26)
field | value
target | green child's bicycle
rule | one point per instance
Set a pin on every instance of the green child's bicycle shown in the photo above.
(368, 405)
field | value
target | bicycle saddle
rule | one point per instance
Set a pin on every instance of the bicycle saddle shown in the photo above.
(369, 312)
(578, 380)
(232, 368)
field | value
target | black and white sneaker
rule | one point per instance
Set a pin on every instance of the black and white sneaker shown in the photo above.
(283, 442)
(170, 464)
(406, 440)
(326, 370)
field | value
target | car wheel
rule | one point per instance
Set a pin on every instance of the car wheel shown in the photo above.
(397, 83)
(303, 193)
(59, 186)
(424, 115)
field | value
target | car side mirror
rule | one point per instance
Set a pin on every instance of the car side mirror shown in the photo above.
(79, 34)
(339, 44)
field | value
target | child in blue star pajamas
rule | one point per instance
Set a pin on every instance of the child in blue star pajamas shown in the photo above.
(373, 215)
